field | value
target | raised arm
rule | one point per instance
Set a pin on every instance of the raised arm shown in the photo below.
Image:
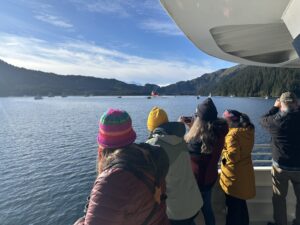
(232, 149)
(268, 121)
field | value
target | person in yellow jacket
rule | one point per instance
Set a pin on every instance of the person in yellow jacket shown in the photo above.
(237, 174)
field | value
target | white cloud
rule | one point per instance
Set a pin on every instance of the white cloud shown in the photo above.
(82, 58)
(45, 12)
(118, 7)
(121, 7)
(162, 27)
(148, 8)
(53, 20)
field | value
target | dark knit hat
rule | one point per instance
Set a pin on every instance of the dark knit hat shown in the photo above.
(207, 110)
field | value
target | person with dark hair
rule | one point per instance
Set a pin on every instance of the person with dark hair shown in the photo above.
(237, 174)
(130, 186)
(283, 123)
(184, 199)
(205, 140)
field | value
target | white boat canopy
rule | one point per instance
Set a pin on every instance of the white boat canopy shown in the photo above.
(252, 32)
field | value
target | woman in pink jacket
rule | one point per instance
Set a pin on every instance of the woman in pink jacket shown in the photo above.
(130, 187)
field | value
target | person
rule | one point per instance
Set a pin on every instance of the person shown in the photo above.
(283, 123)
(130, 187)
(183, 194)
(205, 140)
(237, 174)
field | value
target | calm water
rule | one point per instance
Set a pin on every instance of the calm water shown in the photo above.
(48, 149)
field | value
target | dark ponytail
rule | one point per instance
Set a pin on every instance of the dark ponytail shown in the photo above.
(245, 121)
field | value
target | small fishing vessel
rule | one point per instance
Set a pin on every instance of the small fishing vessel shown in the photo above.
(38, 97)
(154, 94)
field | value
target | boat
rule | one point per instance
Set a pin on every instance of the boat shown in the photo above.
(38, 97)
(266, 97)
(209, 95)
(258, 33)
(119, 96)
(154, 94)
(149, 97)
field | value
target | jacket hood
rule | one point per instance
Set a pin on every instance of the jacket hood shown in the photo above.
(171, 133)
(171, 128)
(242, 131)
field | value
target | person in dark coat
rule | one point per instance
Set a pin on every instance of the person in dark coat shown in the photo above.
(205, 140)
(283, 123)
(130, 187)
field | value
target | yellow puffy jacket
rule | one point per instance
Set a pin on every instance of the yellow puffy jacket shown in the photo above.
(237, 173)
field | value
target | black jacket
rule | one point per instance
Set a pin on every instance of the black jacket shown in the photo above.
(284, 128)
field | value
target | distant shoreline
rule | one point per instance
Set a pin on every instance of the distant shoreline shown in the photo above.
(124, 96)
(242, 81)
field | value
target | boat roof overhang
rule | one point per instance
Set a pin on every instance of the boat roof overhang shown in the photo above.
(249, 32)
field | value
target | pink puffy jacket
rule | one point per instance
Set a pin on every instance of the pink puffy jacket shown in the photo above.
(120, 198)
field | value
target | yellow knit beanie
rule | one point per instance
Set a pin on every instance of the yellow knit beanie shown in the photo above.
(157, 117)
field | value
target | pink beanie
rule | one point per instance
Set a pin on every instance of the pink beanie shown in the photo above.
(115, 129)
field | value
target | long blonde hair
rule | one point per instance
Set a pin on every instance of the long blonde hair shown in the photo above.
(202, 131)
(105, 156)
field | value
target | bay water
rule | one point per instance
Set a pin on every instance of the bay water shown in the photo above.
(48, 149)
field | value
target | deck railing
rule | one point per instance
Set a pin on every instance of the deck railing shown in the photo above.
(261, 155)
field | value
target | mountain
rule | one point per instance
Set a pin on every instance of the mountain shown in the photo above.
(16, 81)
(239, 81)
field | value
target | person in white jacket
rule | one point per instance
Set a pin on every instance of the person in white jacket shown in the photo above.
(184, 199)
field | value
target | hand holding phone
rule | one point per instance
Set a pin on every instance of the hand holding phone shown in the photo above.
(277, 103)
(187, 119)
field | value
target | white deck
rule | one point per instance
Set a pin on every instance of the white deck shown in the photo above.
(260, 208)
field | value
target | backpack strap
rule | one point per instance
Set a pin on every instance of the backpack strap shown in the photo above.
(155, 190)
(151, 214)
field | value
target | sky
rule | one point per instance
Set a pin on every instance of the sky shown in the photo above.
(134, 41)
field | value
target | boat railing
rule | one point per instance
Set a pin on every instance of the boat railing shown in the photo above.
(261, 155)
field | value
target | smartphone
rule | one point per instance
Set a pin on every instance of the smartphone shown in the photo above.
(187, 119)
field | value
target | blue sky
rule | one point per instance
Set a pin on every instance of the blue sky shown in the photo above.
(130, 40)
